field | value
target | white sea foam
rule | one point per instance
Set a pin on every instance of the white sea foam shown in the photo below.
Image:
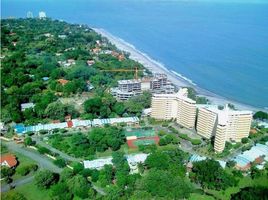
(158, 63)
(158, 67)
(183, 77)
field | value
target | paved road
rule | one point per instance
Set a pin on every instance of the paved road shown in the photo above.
(17, 183)
(62, 154)
(43, 161)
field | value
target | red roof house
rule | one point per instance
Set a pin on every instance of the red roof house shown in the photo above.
(8, 160)
(63, 81)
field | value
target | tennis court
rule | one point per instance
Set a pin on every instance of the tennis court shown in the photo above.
(140, 133)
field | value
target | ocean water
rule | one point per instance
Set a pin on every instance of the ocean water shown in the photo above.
(220, 46)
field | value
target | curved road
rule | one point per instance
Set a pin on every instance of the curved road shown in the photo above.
(43, 161)
(17, 183)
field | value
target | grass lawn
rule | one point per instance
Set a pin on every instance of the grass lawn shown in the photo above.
(23, 160)
(31, 192)
(195, 196)
(124, 148)
(244, 182)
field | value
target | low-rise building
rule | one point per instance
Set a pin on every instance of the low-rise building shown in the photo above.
(255, 155)
(62, 81)
(8, 160)
(25, 106)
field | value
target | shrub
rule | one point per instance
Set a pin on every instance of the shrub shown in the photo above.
(29, 133)
(195, 141)
(26, 169)
(43, 150)
(23, 170)
(244, 140)
(60, 162)
(184, 136)
(43, 132)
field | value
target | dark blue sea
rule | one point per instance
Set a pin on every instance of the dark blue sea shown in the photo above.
(220, 46)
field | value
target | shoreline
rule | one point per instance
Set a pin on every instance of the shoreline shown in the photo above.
(176, 78)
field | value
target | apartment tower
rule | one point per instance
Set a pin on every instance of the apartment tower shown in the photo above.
(226, 125)
(176, 106)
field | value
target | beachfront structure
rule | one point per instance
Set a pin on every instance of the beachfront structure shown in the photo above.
(156, 84)
(128, 88)
(42, 15)
(225, 125)
(206, 122)
(174, 106)
(233, 125)
(25, 106)
(75, 123)
(257, 154)
(129, 85)
(186, 112)
(158, 81)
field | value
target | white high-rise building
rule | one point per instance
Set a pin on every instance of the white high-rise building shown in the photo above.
(174, 106)
(29, 14)
(225, 125)
(42, 15)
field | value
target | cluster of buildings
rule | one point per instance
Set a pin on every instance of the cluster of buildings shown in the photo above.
(157, 84)
(132, 160)
(75, 123)
(258, 154)
(209, 121)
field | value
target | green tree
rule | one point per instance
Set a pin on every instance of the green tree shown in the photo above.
(12, 195)
(28, 141)
(6, 172)
(45, 178)
(60, 191)
(158, 160)
(164, 184)
(218, 180)
(79, 186)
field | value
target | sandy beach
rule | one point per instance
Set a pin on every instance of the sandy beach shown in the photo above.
(177, 79)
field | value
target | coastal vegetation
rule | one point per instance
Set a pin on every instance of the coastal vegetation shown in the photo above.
(46, 61)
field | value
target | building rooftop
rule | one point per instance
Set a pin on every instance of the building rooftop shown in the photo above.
(98, 163)
(249, 156)
(8, 160)
(131, 81)
(26, 105)
(63, 81)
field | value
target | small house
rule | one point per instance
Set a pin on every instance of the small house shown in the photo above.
(8, 160)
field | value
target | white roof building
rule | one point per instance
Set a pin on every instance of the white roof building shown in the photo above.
(26, 105)
(98, 163)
